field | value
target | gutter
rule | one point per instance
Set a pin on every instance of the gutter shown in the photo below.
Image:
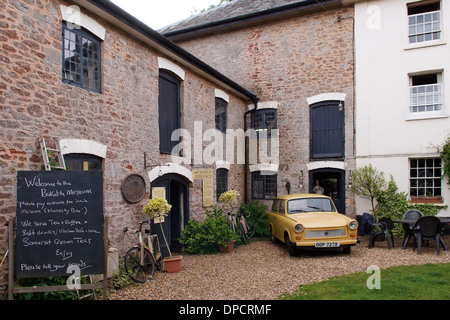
(122, 19)
(238, 22)
(246, 152)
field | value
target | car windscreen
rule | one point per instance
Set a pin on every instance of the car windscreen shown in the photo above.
(310, 205)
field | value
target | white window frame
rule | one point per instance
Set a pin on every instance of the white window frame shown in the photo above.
(423, 25)
(424, 97)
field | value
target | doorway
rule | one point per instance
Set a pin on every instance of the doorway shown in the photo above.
(176, 190)
(333, 183)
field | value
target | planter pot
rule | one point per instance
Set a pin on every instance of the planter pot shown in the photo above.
(229, 248)
(173, 264)
(427, 200)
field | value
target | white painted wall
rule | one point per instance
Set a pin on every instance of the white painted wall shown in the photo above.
(386, 137)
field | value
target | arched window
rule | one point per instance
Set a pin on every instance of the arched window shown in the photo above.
(221, 115)
(221, 181)
(169, 110)
(82, 162)
(327, 130)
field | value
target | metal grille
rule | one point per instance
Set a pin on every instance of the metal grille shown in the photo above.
(325, 233)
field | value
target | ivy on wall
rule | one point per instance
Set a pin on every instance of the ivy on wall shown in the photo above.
(445, 157)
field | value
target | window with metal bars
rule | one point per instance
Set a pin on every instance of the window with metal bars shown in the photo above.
(81, 59)
(264, 186)
(221, 115)
(221, 182)
(263, 121)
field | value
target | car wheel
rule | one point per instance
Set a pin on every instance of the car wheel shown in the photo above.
(291, 248)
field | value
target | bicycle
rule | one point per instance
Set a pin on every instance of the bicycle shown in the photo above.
(240, 222)
(142, 259)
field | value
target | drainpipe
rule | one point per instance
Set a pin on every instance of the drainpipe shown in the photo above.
(255, 103)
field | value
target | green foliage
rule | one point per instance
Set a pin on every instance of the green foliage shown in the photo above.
(393, 204)
(121, 279)
(367, 182)
(205, 237)
(258, 214)
(445, 156)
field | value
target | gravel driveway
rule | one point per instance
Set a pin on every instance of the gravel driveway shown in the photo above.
(262, 270)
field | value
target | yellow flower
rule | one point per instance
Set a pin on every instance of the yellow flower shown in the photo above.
(229, 196)
(157, 207)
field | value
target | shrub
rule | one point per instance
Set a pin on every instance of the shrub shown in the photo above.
(445, 156)
(258, 214)
(368, 182)
(393, 204)
(205, 237)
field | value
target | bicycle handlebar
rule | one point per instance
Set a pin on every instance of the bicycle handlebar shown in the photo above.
(140, 225)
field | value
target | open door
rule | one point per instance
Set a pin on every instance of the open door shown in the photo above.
(176, 190)
(332, 183)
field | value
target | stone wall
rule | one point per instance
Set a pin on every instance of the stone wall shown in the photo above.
(285, 63)
(34, 102)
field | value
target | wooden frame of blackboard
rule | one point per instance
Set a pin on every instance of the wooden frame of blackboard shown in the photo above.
(12, 290)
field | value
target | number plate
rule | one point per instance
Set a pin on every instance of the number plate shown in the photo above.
(327, 244)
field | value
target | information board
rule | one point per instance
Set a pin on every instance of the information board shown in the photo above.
(59, 223)
(208, 192)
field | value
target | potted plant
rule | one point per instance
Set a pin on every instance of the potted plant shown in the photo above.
(223, 234)
(226, 236)
(157, 208)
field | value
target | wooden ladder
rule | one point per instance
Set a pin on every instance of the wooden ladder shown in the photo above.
(45, 151)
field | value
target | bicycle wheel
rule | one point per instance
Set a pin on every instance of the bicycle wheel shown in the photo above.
(251, 228)
(139, 273)
(243, 233)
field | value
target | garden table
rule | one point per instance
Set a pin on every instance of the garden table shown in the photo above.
(409, 224)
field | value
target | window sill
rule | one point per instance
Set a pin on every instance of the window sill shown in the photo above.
(427, 200)
(425, 116)
(425, 44)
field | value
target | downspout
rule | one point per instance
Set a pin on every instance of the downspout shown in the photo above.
(255, 103)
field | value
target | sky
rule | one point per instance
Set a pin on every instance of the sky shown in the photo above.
(160, 13)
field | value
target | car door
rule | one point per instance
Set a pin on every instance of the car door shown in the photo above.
(272, 214)
(280, 220)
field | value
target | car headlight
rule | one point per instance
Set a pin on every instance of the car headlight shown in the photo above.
(353, 225)
(298, 228)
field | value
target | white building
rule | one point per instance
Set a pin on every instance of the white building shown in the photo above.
(403, 93)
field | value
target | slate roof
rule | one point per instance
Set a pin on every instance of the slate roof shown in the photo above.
(236, 10)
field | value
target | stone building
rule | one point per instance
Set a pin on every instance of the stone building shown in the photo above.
(89, 77)
(299, 57)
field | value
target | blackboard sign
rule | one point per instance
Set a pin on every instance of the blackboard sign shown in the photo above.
(59, 223)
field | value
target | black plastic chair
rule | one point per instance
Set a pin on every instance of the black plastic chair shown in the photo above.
(427, 229)
(385, 226)
(409, 228)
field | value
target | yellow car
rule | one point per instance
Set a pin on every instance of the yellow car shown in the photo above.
(310, 221)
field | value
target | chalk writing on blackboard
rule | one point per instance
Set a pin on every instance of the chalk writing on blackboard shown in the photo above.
(59, 222)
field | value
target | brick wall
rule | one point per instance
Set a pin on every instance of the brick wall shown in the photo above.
(35, 102)
(287, 62)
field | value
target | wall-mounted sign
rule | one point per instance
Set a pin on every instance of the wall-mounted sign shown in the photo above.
(59, 222)
(159, 192)
(208, 188)
(133, 188)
